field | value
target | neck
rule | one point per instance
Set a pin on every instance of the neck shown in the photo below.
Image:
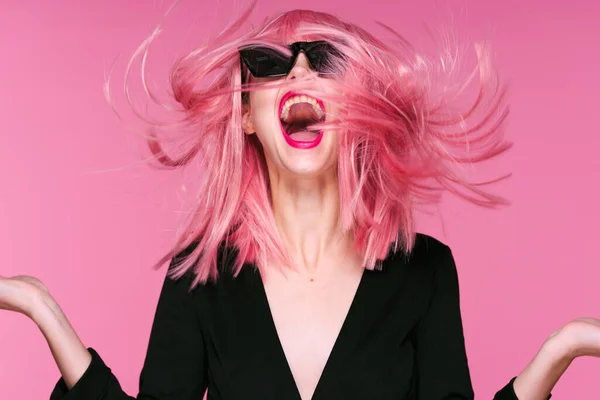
(307, 214)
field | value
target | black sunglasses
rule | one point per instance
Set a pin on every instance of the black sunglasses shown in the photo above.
(264, 61)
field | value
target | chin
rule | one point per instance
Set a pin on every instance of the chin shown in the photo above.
(310, 168)
(320, 160)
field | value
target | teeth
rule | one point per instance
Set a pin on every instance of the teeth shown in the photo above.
(285, 111)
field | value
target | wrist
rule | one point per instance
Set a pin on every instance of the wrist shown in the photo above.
(44, 309)
(558, 349)
(70, 354)
(573, 339)
(537, 380)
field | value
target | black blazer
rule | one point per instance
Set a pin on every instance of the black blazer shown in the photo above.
(402, 339)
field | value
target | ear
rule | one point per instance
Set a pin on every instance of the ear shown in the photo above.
(247, 124)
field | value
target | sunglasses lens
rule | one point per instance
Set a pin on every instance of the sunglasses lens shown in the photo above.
(322, 56)
(264, 62)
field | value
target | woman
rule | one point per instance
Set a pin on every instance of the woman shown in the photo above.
(301, 276)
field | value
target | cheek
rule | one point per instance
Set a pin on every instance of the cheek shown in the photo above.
(264, 111)
(265, 120)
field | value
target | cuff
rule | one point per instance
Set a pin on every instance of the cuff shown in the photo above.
(91, 384)
(508, 392)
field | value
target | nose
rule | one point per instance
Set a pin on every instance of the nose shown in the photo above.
(301, 68)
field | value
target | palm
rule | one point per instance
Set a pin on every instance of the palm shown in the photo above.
(19, 292)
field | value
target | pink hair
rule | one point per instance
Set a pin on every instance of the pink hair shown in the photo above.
(400, 141)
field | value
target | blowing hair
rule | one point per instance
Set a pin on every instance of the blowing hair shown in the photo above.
(402, 140)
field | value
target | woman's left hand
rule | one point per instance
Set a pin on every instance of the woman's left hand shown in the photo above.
(578, 338)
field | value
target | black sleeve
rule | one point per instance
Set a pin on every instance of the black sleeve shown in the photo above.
(440, 345)
(175, 364)
(507, 392)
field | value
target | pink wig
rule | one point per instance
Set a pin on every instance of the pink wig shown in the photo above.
(401, 139)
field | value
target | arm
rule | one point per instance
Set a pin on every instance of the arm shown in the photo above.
(543, 372)
(578, 338)
(70, 355)
(441, 355)
(175, 363)
(28, 296)
(443, 371)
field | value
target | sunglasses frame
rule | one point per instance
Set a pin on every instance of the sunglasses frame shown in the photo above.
(296, 48)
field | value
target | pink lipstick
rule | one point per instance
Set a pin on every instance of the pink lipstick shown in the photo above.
(300, 144)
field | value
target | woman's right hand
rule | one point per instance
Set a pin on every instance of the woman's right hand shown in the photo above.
(23, 294)
(29, 296)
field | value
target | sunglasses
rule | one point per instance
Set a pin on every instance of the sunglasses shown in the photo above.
(265, 62)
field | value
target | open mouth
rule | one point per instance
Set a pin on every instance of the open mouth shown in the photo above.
(298, 113)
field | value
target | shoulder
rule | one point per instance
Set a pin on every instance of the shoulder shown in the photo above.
(427, 253)
(412, 280)
(225, 257)
(429, 262)
(225, 260)
(429, 247)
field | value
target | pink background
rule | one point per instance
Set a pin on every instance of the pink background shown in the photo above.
(80, 210)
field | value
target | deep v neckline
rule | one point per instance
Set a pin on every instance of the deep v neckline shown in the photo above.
(340, 346)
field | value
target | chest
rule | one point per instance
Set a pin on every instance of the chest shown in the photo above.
(308, 318)
(348, 340)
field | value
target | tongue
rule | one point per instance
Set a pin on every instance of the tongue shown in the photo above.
(303, 136)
